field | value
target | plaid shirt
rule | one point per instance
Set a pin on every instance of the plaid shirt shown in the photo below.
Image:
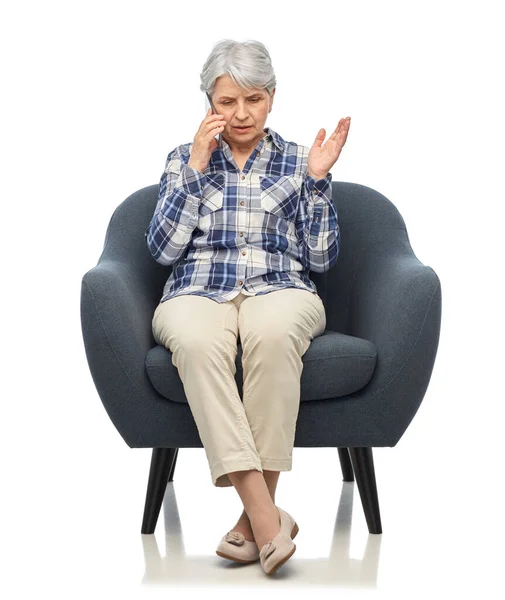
(256, 230)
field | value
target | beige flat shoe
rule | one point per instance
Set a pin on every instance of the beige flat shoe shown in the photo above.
(235, 547)
(276, 552)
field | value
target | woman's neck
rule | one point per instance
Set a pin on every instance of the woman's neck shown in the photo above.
(240, 150)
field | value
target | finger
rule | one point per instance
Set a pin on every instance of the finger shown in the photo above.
(321, 134)
(343, 123)
(337, 128)
(342, 128)
(213, 122)
(215, 128)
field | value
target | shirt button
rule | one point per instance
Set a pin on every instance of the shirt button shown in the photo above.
(243, 176)
(242, 203)
(243, 253)
(240, 282)
(241, 233)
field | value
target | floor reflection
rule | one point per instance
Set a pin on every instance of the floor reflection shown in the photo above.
(337, 569)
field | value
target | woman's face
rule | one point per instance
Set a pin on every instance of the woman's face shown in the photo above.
(241, 107)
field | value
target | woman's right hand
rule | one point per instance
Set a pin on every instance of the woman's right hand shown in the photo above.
(204, 142)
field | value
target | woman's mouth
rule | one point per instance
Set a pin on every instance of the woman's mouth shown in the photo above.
(242, 129)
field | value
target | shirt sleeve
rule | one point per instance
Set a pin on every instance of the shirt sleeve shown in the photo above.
(176, 213)
(317, 225)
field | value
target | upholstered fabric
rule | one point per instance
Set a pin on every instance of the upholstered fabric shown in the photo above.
(363, 379)
(334, 365)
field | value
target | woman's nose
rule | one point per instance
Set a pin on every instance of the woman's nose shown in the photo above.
(241, 112)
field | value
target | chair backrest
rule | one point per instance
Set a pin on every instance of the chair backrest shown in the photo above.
(365, 217)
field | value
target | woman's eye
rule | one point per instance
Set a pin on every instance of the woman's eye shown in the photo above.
(254, 100)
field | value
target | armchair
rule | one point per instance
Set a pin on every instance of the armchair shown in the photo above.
(363, 379)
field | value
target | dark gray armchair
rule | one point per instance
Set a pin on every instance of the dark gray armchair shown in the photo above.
(363, 380)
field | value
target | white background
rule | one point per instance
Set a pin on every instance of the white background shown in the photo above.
(95, 95)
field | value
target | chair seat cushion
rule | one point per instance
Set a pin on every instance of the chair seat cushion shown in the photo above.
(334, 365)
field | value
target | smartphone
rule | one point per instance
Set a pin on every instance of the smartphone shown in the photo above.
(208, 104)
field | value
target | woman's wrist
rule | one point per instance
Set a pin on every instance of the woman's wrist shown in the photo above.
(317, 176)
(195, 166)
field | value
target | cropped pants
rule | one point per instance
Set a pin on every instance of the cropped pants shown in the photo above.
(275, 330)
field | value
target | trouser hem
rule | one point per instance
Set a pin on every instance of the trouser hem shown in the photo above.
(275, 464)
(220, 472)
(221, 469)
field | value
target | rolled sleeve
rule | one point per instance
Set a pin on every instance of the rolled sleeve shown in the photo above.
(191, 180)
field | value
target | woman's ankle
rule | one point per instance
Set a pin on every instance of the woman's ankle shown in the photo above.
(245, 517)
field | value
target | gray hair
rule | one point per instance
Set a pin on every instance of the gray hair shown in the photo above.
(247, 63)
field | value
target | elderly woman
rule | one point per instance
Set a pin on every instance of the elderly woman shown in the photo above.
(242, 220)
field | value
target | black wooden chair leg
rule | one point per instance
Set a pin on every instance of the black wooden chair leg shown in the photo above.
(162, 469)
(345, 464)
(362, 464)
(174, 461)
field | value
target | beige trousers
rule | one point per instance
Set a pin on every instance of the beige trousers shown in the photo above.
(275, 330)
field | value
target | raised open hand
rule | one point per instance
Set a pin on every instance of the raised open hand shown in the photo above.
(322, 158)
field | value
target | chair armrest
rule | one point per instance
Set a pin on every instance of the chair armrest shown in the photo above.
(116, 320)
(395, 303)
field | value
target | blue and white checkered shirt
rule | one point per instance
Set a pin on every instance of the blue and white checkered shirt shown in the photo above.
(257, 230)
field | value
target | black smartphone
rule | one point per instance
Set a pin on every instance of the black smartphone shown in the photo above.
(219, 137)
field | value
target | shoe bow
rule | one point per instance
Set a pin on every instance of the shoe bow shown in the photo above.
(267, 549)
(235, 537)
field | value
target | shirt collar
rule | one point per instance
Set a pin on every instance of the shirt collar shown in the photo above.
(275, 138)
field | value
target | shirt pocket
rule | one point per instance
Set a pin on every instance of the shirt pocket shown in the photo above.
(280, 195)
(212, 193)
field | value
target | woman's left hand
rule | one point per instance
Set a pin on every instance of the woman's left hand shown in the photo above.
(322, 158)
